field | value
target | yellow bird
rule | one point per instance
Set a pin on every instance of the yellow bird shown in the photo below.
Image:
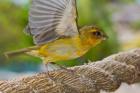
(52, 23)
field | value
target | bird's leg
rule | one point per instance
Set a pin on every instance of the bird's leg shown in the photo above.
(47, 68)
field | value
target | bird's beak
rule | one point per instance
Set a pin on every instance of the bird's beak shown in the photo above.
(105, 37)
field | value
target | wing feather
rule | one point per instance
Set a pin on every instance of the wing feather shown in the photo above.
(52, 19)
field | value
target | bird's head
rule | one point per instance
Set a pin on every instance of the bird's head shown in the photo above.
(92, 35)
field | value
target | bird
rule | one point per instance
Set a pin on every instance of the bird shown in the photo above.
(56, 35)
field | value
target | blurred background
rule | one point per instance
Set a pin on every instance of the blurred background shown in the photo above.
(120, 19)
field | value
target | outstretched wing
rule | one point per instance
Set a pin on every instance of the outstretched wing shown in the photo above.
(52, 19)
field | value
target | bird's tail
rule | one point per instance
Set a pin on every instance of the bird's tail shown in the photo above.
(20, 51)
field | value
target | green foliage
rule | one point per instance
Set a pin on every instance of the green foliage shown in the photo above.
(135, 25)
(13, 19)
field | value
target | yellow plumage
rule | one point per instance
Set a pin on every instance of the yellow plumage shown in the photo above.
(69, 48)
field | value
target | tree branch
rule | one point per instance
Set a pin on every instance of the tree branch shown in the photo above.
(107, 75)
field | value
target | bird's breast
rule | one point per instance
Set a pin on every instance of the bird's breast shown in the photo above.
(64, 49)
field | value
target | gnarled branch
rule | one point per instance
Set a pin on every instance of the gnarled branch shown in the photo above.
(107, 75)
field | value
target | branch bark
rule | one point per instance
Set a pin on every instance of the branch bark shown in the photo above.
(107, 74)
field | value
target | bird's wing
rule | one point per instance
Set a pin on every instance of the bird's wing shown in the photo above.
(51, 19)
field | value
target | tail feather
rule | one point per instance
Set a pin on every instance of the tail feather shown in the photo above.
(20, 51)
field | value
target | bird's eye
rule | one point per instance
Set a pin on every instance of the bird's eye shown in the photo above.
(97, 33)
